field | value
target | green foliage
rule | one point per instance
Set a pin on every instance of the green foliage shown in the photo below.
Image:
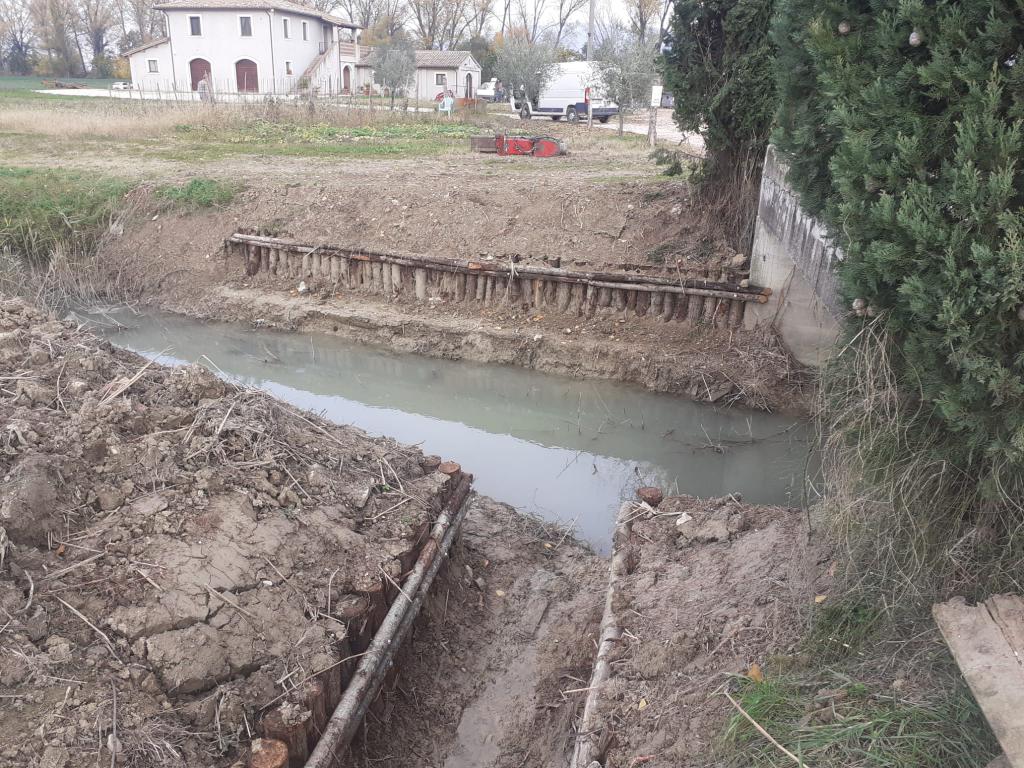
(917, 114)
(199, 193)
(836, 722)
(394, 64)
(719, 68)
(45, 211)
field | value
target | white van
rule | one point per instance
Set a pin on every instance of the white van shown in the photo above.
(566, 95)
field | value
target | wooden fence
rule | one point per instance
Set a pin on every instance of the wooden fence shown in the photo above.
(680, 299)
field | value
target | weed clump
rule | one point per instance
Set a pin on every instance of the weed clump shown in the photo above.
(199, 193)
(42, 211)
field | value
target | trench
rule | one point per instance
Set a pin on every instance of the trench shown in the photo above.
(566, 450)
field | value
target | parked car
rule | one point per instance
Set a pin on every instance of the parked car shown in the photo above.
(120, 85)
(574, 87)
(486, 90)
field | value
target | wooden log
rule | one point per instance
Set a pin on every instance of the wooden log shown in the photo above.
(335, 270)
(619, 297)
(630, 302)
(252, 261)
(315, 694)
(590, 302)
(682, 309)
(489, 297)
(722, 313)
(268, 753)
(657, 304)
(538, 293)
(604, 298)
(396, 278)
(669, 307)
(695, 309)
(471, 281)
(551, 293)
(527, 292)
(291, 731)
(421, 284)
(564, 296)
(385, 276)
(314, 263)
(264, 259)
(304, 273)
(710, 308)
(576, 299)
(643, 303)
(481, 287)
(652, 281)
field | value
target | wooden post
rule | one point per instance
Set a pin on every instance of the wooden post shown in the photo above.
(471, 284)
(604, 298)
(630, 301)
(564, 296)
(538, 293)
(460, 287)
(335, 269)
(657, 303)
(272, 261)
(305, 271)
(292, 732)
(314, 264)
(421, 284)
(642, 303)
(619, 296)
(265, 259)
(669, 307)
(695, 309)
(710, 305)
(396, 278)
(481, 288)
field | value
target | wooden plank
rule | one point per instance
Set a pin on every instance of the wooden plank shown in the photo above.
(1008, 613)
(990, 666)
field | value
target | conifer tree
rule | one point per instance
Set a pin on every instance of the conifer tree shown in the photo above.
(917, 111)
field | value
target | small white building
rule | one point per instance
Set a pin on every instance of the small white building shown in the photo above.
(247, 46)
(436, 72)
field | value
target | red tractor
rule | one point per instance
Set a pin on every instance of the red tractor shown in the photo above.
(538, 146)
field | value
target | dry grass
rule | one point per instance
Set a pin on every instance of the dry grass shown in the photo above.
(915, 526)
(129, 120)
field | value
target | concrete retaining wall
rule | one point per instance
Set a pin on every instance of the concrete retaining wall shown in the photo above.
(793, 256)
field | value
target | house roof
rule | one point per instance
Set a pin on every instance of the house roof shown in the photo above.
(254, 5)
(442, 59)
(145, 46)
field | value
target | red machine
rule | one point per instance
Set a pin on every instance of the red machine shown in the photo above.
(538, 146)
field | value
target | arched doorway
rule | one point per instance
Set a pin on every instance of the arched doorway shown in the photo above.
(247, 76)
(198, 69)
(346, 80)
(469, 85)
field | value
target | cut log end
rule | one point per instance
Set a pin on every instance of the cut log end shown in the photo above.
(430, 463)
(449, 468)
(651, 495)
(268, 753)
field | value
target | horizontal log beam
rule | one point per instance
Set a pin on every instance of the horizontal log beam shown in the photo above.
(696, 287)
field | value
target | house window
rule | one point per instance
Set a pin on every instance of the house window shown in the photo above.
(287, 24)
(439, 78)
(287, 67)
(245, 25)
(305, 31)
(151, 65)
(195, 25)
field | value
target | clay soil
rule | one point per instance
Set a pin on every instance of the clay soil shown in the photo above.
(714, 588)
(176, 544)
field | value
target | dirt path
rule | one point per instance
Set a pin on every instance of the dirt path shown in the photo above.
(509, 627)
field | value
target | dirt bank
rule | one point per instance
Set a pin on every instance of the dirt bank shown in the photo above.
(712, 588)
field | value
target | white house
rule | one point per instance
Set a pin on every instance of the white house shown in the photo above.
(247, 46)
(436, 72)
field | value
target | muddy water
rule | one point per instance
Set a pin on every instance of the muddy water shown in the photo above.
(564, 449)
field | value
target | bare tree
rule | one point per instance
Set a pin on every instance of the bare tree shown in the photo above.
(531, 18)
(566, 10)
(54, 22)
(96, 20)
(17, 36)
(640, 14)
(478, 13)
(394, 64)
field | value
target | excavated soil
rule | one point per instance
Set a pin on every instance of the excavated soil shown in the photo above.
(176, 553)
(713, 587)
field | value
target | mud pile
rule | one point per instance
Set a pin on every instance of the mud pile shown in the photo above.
(176, 553)
(711, 587)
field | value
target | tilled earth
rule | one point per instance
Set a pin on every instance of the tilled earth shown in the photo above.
(176, 553)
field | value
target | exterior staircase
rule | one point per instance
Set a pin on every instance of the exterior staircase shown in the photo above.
(303, 84)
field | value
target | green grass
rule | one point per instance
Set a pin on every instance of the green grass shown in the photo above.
(15, 89)
(833, 721)
(199, 193)
(290, 139)
(44, 210)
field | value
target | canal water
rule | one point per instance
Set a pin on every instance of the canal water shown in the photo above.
(564, 449)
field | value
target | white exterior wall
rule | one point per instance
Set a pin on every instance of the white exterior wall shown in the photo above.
(145, 80)
(221, 43)
(428, 89)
